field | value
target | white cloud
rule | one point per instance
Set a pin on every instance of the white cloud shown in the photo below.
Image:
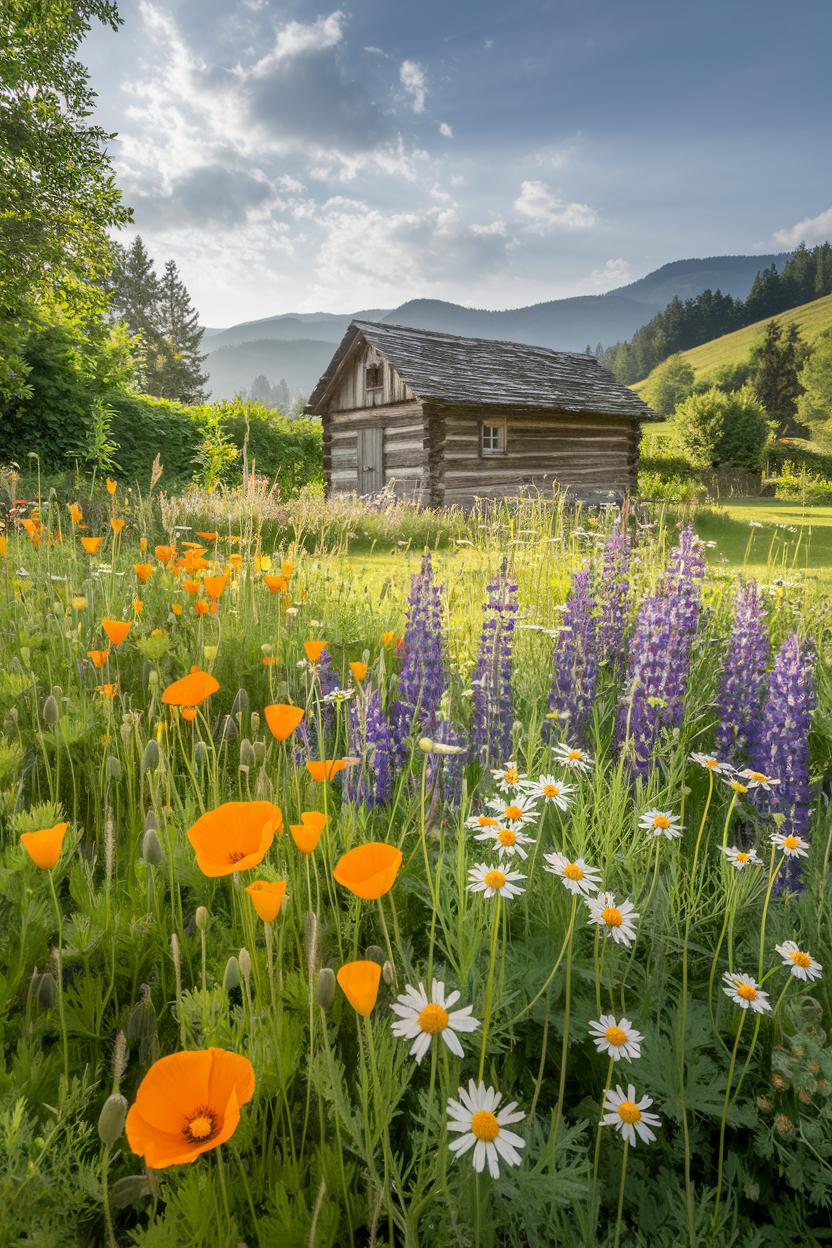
(298, 38)
(810, 230)
(445, 130)
(614, 273)
(412, 78)
(545, 212)
(374, 51)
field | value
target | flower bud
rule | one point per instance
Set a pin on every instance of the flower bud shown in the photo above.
(254, 720)
(246, 753)
(325, 991)
(114, 768)
(150, 757)
(201, 753)
(259, 751)
(152, 677)
(128, 1190)
(210, 652)
(152, 852)
(374, 953)
(229, 729)
(50, 711)
(240, 704)
(231, 978)
(388, 974)
(425, 745)
(111, 1118)
(57, 692)
(141, 1021)
(47, 991)
(244, 962)
(202, 918)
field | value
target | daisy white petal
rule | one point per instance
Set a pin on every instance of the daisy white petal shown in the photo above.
(480, 1124)
(800, 963)
(577, 876)
(745, 992)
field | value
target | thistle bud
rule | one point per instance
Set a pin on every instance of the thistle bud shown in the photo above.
(152, 853)
(325, 991)
(50, 711)
(150, 757)
(231, 978)
(374, 953)
(388, 974)
(202, 918)
(111, 1118)
(114, 768)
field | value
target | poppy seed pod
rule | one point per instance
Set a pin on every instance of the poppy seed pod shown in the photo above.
(114, 768)
(374, 953)
(150, 757)
(325, 991)
(50, 711)
(152, 852)
(202, 918)
(47, 991)
(246, 753)
(231, 978)
(111, 1118)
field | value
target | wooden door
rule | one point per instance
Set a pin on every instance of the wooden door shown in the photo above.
(370, 460)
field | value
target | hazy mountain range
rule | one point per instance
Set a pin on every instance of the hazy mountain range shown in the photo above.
(297, 346)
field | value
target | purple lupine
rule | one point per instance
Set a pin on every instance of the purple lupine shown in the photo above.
(493, 703)
(660, 652)
(743, 677)
(449, 766)
(370, 740)
(782, 744)
(614, 597)
(424, 668)
(575, 658)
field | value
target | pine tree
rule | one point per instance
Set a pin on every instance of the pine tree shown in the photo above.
(134, 299)
(777, 378)
(178, 373)
(262, 391)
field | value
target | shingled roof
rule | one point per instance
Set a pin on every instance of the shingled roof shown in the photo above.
(488, 372)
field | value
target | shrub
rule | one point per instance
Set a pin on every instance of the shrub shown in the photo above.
(669, 384)
(799, 485)
(718, 428)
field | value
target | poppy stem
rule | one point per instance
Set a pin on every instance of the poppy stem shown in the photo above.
(223, 1188)
(380, 905)
(60, 976)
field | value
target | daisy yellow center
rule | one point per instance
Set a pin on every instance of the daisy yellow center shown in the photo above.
(484, 1125)
(628, 1111)
(507, 837)
(574, 755)
(661, 821)
(800, 958)
(616, 1036)
(711, 762)
(486, 821)
(551, 790)
(758, 776)
(791, 842)
(201, 1126)
(494, 878)
(737, 787)
(513, 812)
(611, 916)
(743, 858)
(433, 1019)
(746, 992)
(511, 776)
(572, 871)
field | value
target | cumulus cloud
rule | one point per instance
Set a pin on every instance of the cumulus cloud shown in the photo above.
(545, 212)
(216, 194)
(810, 230)
(446, 130)
(614, 273)
(412, 78)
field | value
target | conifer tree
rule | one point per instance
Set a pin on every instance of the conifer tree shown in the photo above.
(777, 379)
(178, 373)
(134, 300)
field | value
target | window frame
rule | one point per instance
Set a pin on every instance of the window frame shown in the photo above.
(488, 452)
(379, 373)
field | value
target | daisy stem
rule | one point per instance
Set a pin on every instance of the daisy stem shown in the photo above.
(567, 1006)
(731, 806)
(773, 873)
(729, 910)
(489, 987)
(724, 1117)
(621, 1186)
(597, 971)
(593, 1191)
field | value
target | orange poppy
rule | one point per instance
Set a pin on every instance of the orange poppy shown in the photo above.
(359, 983)
(91, 544)
(282, 719)
(75, 513)
(116, 630)
(369, 870)
(287, 568)
(307, 833)
(191, 587)
(188, 713)
(176, 608)
(267, 898)
(276, 584)
(107, 691)
(112, 485)
(116, 524)
(208, 537)
(314, 650)
(190, 690)
(326, 768)
(387, 638)
(138, 605)
(164, 553)
(99, 657)
(44, 847)
(143, 571)
(142, 543)
(359, 671)
(235, 836)
(188, 1103)
(201, 606)
(214, 585)
(269, 660)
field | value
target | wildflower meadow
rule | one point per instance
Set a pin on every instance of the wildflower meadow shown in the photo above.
(471, 891)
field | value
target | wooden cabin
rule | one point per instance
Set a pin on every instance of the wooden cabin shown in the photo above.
(444, 419)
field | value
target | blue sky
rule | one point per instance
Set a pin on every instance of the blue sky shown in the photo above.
(299, 157)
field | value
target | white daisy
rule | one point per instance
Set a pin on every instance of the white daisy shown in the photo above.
(515, 811)
(793, 846)
(482, 821)
(745, 992)
(617, 1038)
(629, 1116)
(506, 841)
(551, 790)
(711, 763)
(737, 785)
(577, 876)
(741, 858)
(421, 1017)
(494, 880)
(661, 823)
(800, 963)
(572, 757)
(482, 1125)
(616, 918)
(758, 779)
(508, 777)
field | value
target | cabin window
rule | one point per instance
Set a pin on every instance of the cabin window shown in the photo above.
(372, 376)
(493, 437)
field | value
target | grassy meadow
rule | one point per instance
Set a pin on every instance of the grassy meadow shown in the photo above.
(354, 895)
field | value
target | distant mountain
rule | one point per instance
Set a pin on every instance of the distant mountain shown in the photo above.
(298, 346)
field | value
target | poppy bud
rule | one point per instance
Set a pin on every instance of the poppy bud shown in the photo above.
(119, 1057)
(50, 711)
(266, 648)
(47, 991)
(246, 753)
(111, 1118)
(57, 692)
(126, 731)
(374, 953)
(259, 750)
(202, 918)
(128, 1190)
(150, 820)
(388, 974)
(240, 704)
(152, 852)
(229, 729)
(255, 721)
(425, 745)
(114, 767)
(325, 992)
(201, 753)
(141, 1021)
(231, 978)
(244, 962)
(153, 677)
(150, 757)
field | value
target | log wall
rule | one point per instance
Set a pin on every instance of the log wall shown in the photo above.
(405, 455)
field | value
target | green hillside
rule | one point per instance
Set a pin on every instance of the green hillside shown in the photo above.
(811, 318)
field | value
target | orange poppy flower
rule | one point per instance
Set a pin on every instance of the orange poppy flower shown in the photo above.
(190, 690)
(91, 544)
(387, 638)
(282, 719)
(191, 587)
(369, 870)
(276, 584)
(44, 847)
(99, 657)
(142, 543)
(267, 898)
(214, 585)
(188, 1103)
(359, 671)
(235, 560)
(269, 660)
(326, 768)
(288, 568)
(107, 691)
(116, 524)
(116, 630)
(75, 513)
(359, 983)
(208, 537)
(307, 833)
(112, 485)
(188, 713)
(138, 605)
(235, 836)
(164, 553)
(176, 608)
(314, 650)
(143, 571)
(201, 606)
